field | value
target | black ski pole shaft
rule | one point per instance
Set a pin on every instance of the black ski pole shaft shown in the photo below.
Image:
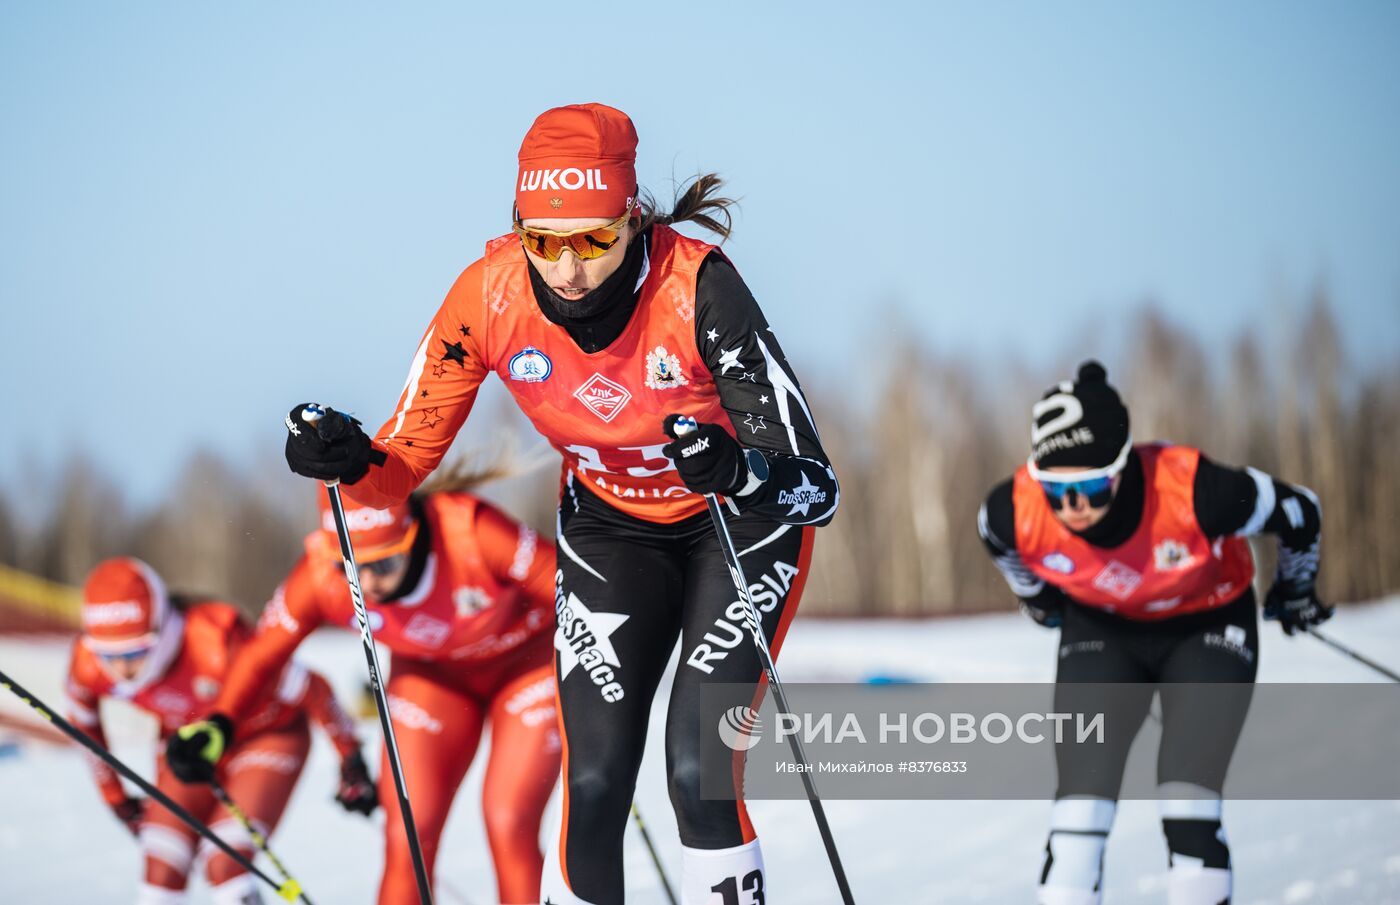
(1343, 649)
(770, 668)
(288, 890)
(655, 856)
(255, 834)
(391, 747)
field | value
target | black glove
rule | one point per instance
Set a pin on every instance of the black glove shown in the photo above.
(708, 459)
(195, 748)
(332, 448)
(1047, 608)
(356, 793)
(129, 812)
(1295, 607)
(1052, 616)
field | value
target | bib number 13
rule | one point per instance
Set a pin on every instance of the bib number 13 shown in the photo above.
(634, 461)
(753, 885)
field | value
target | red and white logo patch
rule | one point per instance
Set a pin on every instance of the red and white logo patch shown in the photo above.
(427, 631)
(1117, 580)
(603, 397)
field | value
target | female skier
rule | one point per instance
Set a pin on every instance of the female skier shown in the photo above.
(463, 597)
(1138, 554)
(603, 322)
(169, 657)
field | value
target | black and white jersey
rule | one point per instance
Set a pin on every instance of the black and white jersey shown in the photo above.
(1228, 502)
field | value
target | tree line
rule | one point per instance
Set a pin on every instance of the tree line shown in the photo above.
(914, 466)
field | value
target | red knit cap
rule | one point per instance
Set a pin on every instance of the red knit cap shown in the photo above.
(124, 605)
(374, 533)
(578, 161)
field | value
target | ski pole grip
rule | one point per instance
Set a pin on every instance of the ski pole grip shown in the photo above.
(678, 426)
(314, 415)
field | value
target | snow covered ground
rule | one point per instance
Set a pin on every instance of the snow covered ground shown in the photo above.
(59, 846)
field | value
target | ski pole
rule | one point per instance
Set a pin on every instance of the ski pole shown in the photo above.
(391, 745)
(449, 892)
(289, 890)
(312, 415)
(655, 858)
(258, 838)
(686, 425)
(1342, 648)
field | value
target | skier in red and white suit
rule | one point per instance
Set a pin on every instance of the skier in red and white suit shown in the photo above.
(170, 658)
(603, 322)
(463, 596)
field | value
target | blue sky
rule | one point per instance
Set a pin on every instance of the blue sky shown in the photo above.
(209, 212)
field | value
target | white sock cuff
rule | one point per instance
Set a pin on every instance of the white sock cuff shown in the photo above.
(167, 846)
(1083, 815)
(716, 853)
(740, 868)
(1187, 801)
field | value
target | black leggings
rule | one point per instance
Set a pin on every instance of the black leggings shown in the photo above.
(627, 589)
(1199, 726)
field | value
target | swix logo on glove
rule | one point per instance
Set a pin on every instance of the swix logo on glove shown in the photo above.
(697, 447)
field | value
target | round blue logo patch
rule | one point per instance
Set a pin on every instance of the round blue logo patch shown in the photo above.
(530, 365)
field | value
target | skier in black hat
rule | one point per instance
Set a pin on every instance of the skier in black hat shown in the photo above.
(1138, 554)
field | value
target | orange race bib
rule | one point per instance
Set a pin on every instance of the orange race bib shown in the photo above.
(1167, 568)
(603, 411)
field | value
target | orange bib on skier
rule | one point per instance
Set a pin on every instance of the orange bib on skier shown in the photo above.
(1167, 568)
(603, 411)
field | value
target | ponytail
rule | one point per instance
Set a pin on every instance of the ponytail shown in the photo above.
(464, 475)
(471, 470)
(699, 202)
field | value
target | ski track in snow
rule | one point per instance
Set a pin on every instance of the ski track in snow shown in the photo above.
(60, 846)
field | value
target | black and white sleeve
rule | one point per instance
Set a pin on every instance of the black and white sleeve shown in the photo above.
(996, 525)
(1244, 502)
(764, 401)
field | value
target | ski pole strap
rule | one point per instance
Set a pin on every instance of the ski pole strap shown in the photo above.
(1342, 648)
(111, 760)
(290, 889)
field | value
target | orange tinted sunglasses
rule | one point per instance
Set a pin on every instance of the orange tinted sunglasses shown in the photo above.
(588, 243)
